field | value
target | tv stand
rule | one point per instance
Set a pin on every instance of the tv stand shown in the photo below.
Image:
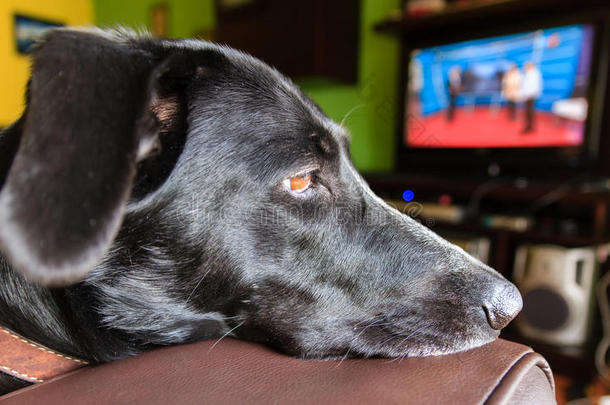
(530, 197)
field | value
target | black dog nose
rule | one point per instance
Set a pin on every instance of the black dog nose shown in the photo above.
(503, 305)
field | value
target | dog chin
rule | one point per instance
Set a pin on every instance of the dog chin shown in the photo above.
(433, 349)
(465, 346)
(419, 350)
(441, 350)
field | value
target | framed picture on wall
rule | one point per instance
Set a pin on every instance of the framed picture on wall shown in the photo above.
(28, 29)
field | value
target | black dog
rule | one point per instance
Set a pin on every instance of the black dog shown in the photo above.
(210, 197)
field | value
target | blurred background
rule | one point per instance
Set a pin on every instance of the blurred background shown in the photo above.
(486, 120)
(329, 48)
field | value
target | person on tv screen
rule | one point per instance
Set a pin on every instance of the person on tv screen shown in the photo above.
(455, 86)
(511, 90)
(532, 89)
(416, 84)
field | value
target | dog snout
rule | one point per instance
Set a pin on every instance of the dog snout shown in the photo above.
(502, 305)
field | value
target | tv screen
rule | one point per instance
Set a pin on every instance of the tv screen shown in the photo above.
(525, 90)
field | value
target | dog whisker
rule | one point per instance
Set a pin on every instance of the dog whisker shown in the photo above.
(197, 285)
(412, 334)
(347, 114)
(226, 334)
(368, 320)
(392, 337)
(374, 323)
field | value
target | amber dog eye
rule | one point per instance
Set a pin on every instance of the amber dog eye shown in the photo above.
(299, 183)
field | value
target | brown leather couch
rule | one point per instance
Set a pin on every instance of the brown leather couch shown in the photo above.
(234, 372)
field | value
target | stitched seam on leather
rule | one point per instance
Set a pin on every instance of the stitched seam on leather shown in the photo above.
(44, 349)
(18, 374)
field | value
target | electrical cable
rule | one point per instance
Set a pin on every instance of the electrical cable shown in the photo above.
(474, 202)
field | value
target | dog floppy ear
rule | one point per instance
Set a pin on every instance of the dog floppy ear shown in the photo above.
(87, 123)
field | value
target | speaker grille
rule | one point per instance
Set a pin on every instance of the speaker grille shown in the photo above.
(545, 309)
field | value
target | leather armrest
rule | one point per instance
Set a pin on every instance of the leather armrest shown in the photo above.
(232, 371)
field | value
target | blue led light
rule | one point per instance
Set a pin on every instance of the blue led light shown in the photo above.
(408, 195)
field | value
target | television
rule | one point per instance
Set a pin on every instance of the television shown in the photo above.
(512, 101)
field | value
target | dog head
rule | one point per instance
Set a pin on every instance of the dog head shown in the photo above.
(211, 197)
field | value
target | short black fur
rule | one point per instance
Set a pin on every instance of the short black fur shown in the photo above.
(214, 241)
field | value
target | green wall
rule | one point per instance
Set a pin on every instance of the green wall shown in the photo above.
(372, 124)
(185, 16)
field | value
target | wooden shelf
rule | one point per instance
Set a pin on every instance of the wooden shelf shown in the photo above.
(483, 14)
(531, 236)
(593, 229)
(502, 189)
(448, 15)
